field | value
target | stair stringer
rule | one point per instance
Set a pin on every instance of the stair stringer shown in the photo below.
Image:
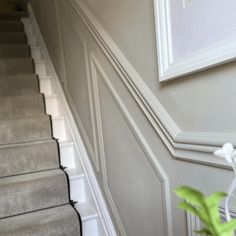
(84, 188)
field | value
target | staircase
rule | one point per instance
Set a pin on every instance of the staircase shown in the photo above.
(40, 172)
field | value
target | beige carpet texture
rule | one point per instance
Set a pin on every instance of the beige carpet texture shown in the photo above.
(34, 189)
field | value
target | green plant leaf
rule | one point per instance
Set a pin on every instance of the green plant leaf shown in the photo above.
(216, 197)
(194, 210)
(190, 195)
(203, 231)
(229, 227)
(212, 203)
(207, 209)
(188, 207)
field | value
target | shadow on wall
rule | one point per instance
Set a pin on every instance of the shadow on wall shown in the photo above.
(13, 5)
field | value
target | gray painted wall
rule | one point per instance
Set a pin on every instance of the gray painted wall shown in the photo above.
(136, 151)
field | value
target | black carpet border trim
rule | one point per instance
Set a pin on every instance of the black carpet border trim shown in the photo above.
(38, 82)
(44, 104)
(71, 202)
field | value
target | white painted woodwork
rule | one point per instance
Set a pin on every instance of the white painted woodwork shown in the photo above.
(207, 56)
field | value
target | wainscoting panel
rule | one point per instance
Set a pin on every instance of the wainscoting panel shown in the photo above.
(79, 86)
(126, 158)
(189, 146)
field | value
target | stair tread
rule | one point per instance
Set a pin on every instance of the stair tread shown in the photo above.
(16, 66)
(13, 37)
(14, 50)
(33, 191)
(18, 105)
(25, 129)
(57, 221)
(10, 15)
(11, 26)
(18, 84)
(28, 157)
(19, 96)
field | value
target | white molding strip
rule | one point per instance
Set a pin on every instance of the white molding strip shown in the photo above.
(160, 173)
(103, 212)
(203, 59)
(193, 224)
(188, 146)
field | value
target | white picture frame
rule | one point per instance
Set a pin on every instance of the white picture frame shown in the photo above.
(214, 55)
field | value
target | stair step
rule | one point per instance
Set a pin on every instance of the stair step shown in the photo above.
(18, 84)
(14, 50)
(67, 154)
(13, 38)
(6, 15)
(11, 26)
(58, 221)
(16, 66)
(45, 84)
(87, 212)
(28, 157)
(77, 181)
(25, 129)
(75, 173)
(89, 218)
(31, 192)
(35, 192)
(21, 105)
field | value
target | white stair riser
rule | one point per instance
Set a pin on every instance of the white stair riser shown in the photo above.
(90, 228)
(59, 131)
(45, 85)
(36, 53)
(67, 155)
(77, 189)
(28, 28)
(52, 105)
(32, 41)
(40, 68)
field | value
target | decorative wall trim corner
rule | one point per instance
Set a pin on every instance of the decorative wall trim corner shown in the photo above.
(203, 59)
(188, 146)
(160, 173)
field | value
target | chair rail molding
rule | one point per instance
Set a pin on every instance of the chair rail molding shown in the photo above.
(214, 55)
(194, 147)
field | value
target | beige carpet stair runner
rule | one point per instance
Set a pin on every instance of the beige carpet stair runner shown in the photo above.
(34, 190)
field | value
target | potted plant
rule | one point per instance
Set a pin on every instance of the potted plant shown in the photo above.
(207, 207)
